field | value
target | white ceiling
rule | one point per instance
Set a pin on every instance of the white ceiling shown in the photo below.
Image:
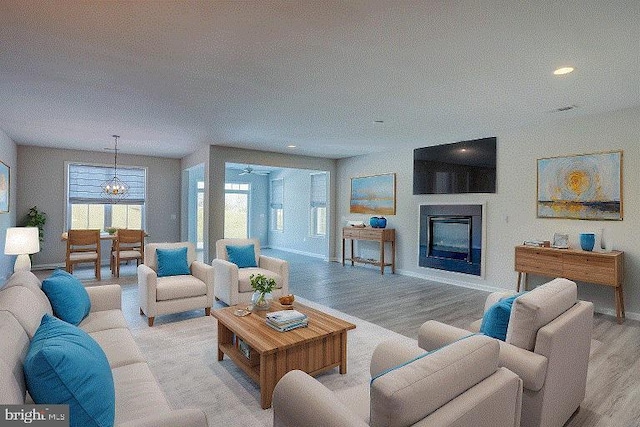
(169, 76)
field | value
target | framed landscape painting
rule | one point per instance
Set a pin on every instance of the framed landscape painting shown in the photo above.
(587, 186)
(373, 194)
(4, 188)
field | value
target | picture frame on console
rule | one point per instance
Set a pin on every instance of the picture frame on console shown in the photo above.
(560, 241)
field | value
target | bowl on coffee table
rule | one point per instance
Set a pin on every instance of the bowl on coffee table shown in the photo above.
(286, 301)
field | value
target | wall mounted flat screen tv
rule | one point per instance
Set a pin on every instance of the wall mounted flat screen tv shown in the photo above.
(461, 167)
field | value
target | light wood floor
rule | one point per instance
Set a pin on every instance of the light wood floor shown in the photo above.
(402, 304)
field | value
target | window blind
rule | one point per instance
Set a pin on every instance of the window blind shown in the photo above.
(85, 183)
(318, 190)
(277, 193)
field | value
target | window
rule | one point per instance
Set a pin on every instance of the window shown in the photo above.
(88, 208)
(236, 210)
(318, 208)
(200, 216)
(277, 202)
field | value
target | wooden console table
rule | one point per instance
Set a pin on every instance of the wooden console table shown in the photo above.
(381, 235)
(601, 268)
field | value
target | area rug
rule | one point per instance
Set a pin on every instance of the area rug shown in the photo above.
(183, 357)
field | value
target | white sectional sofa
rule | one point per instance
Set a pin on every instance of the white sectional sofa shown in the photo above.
(139, 401)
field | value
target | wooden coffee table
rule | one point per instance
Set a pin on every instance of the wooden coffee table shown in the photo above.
(317, 348)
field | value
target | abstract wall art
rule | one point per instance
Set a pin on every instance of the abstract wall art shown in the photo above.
(587, 186)
(374, 194)
(4, 187)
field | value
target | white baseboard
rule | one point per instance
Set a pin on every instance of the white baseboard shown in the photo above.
(57, 265)
(47, 266)
(611, 312)
(456, 282)
(469, 285)
(295, 251)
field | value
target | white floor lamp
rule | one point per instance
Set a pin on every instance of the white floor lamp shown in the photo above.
(22, 241)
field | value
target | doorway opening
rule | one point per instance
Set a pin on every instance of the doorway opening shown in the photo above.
(194, 181)
(236, 210)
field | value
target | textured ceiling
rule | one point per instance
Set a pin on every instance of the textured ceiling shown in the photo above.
(170, 76)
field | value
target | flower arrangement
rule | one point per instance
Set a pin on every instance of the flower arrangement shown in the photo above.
(262, 285)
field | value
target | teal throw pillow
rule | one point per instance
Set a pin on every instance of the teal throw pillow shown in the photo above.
(65, 366)
(496, 319)
(172, 262)
(242, 256)
(69, 299)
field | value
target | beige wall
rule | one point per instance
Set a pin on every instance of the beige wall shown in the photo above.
(511, 212)
(38, 179)
(9, 156)
(41, 182)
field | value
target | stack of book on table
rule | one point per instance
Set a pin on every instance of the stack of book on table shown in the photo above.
(286, 320)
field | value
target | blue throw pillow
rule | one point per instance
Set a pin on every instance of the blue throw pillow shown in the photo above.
(69, 299)
(496, 319)
(242, 256)
(172, 262)
(65, 366)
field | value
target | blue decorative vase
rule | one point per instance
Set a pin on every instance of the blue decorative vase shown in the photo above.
(382, 222)
(373, 222)
(587, 240)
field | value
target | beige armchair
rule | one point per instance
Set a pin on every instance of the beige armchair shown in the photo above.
(458, 385)
(547, 345)
(175, 293)
(232, 283)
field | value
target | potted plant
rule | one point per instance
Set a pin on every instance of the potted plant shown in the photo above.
(36, 218)
(263, 286)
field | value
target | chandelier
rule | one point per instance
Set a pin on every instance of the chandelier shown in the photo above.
(115, 188)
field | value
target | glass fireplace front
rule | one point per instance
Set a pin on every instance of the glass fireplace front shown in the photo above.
(450, 237)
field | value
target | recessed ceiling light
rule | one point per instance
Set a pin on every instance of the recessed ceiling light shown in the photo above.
(291, 146)
(563, 70)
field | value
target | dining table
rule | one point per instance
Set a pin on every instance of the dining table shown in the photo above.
(103, 236)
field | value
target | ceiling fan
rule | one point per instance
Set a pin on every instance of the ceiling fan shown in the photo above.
(250, 171)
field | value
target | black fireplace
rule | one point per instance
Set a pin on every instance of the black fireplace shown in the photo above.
(451, 238)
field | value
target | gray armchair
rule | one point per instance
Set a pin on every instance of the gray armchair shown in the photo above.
(459, 385)
(547, 345)
(232, 283)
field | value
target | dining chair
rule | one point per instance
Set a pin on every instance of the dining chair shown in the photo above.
(127, 245)
(83, 246)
